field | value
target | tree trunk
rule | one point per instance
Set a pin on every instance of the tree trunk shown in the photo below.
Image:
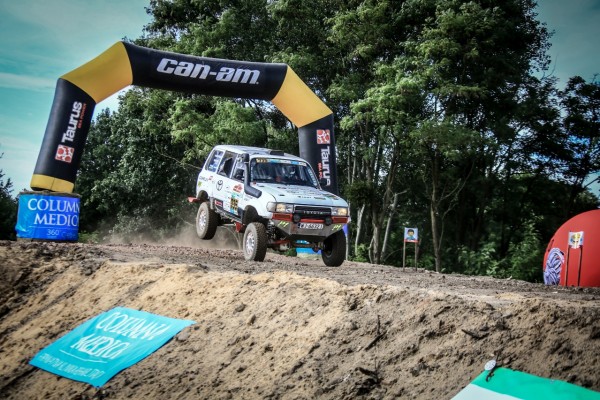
(388, 226)
(359, 227)
(435, 238)
(376, 255)
(433, 211)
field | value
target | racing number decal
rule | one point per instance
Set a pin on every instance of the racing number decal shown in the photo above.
(233, 205)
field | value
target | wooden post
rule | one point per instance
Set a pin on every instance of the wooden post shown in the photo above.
(567, 265)
(579, 269)
(416, 252)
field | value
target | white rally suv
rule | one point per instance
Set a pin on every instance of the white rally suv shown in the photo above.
(274, 199)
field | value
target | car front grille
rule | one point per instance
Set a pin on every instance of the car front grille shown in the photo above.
(309, 211)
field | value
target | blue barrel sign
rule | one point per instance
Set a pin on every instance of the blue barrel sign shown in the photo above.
(48, 216)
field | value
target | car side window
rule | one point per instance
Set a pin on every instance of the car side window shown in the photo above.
(225, 168)
(239, 170)
(226, 164)
(214, 160)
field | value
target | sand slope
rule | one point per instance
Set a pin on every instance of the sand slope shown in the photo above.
(287, 328)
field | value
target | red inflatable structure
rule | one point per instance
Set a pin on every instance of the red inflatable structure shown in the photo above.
(572, 257)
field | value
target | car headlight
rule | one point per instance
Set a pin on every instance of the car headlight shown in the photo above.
(280, 207)
(339, 211)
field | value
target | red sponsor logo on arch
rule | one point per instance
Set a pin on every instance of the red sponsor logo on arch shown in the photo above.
(323, 136)
(64, 153)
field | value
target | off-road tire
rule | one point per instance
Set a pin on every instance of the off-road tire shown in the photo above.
(334, 249)
(206, 222)
(255, 242)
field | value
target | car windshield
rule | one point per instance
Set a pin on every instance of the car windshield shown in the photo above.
(287, 172)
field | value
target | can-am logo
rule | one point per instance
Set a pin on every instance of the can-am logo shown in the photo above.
(203, 71)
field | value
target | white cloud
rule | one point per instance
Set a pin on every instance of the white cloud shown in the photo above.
(36, 83)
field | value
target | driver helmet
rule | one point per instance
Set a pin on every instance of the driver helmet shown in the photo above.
(289, 171)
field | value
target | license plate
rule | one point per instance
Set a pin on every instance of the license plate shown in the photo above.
(310, 225)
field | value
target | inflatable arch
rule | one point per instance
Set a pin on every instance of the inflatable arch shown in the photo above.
(124, 64)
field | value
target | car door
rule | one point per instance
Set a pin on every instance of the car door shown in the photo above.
(206, 178)
(223, 184)
(236, 193)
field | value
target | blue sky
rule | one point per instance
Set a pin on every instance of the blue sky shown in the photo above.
(576, 42)
(41, 40)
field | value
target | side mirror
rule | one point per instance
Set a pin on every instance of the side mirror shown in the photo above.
(323, 182)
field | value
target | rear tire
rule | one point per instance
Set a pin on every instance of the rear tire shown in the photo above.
(334, 249)
(206, 222)
(255, 242)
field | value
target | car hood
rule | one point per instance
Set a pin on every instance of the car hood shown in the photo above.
(301, 195)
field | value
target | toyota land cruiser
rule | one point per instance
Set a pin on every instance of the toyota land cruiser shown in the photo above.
(274, 199)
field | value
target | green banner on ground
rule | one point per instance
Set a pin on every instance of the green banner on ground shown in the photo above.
(506, 384)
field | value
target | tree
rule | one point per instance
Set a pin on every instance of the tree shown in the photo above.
(458, 69)
(581, 105)
(8, 209)
(131, 174)
(374, 109)
(473, 92)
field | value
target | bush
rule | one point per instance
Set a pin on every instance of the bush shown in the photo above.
(525, 257)
(523, 261)
(8, 210)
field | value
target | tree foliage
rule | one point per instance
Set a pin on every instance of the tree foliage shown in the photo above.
(8, 209)
(443, 123)
(132, 179)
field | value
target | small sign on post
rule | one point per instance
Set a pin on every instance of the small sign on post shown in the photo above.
(575, 243)
(411, 235)
(575, 239)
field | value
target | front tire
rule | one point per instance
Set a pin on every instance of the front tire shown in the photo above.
(206, 222)
(255, 242)
(334, 249)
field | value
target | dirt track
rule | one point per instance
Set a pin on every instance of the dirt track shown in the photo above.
(287, 328)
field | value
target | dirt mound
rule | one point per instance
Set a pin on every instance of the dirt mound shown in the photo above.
(287, 328)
